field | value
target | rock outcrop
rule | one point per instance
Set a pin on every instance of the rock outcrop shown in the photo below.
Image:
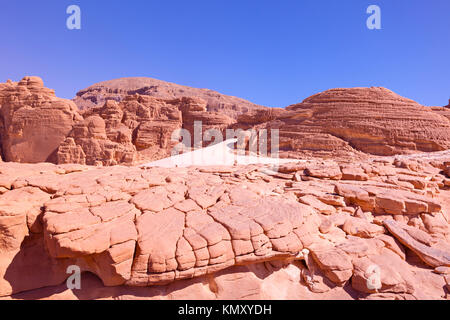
(135, 120)
(433, 252)
(97, 94)
(115, 132)
(33, 120)
(371, 120)
(138, 127)
(443, 111)
(239, 230)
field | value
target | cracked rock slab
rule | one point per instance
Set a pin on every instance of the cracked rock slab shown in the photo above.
(433, 254)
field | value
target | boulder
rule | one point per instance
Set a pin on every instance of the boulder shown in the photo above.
(431, 252)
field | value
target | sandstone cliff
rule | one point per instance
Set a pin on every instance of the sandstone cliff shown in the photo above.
(139, 127)
(33, 120)
(134, 123)
(117, 89)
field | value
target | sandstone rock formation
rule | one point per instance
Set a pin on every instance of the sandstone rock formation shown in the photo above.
(363, 215)
(371, 120)
(132, 120)
(117, 89)
(230, 233)
(33, 120)
(114, 132)
(138, 127)
(443, 111)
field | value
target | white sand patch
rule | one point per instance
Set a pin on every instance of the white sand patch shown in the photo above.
(221, 154)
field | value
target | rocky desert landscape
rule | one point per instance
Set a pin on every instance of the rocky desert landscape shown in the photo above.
(359, 208)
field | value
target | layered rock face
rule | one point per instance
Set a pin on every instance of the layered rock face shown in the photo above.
(443, 111)
(356, 226)
(117, 89)
(131, 124)
(195, 110)
(34, 121)
(138, 127)
(115, 132)
(38, 127)
(372, 120)
(376, 229)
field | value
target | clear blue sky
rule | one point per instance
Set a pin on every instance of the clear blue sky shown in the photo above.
(273, 53)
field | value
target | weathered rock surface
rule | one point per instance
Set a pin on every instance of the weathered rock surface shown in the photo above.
(372, 120)
(135, 120)
(115, 132)
(428, 249)
(355, 226)
(203, 232)
(97, 94)
(138, 128)
(443, 111)
(34, 121)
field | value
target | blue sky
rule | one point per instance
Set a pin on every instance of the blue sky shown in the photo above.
(274, 53)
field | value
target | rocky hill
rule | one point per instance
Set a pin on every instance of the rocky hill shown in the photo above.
(117, 89)
(351, 121)
(372, 120)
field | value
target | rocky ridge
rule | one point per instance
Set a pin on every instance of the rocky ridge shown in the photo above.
(117, 89)
(370, 120)
(131, 125)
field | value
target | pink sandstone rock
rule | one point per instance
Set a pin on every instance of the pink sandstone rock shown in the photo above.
(131, 120)
(144, 227)
(396, 124)
(315, 229)
(428, 249)
(117, 89)
(34, 121)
